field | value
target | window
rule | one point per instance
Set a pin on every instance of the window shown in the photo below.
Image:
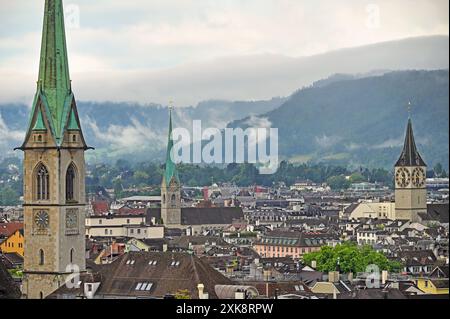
(100, 221)
(173, 200)
(139, 231)
(143, 286)
(106, 232)
(41, 257)
(71, 256)
(128, 221)
(89, 287)
(74, 138)
(42, 181)
(41, 295)
(70, 183)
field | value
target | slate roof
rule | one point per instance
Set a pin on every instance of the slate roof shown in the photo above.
(295, 239)
(373, 294)
(410, 155)
(417, 257)
(122, 276)
(436, 212)
(202, 216)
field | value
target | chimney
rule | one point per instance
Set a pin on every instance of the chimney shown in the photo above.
(384, 277)
(333, 276)
(267, 275)
(350, 277)
(240, 295)
(201, 289)
(165, 248)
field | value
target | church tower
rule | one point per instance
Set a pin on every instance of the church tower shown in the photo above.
(410, 181)
(54, 170)
(170, 187)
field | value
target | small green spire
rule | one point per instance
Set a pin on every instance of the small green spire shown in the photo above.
(171, 168)
(39, 125)
(73, 124)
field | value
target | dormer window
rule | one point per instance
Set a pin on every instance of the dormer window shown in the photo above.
(74, 138)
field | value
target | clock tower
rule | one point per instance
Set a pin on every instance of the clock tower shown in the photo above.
(170, 187)
(54, 170)
(410, 181)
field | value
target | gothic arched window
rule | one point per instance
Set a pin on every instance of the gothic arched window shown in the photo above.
(71, 256)
(42, 183)
(41, 257)
(173, 200)
(70, 183)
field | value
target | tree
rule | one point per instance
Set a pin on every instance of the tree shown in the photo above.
(357, 178)
(350, 258)
(8, 197)
(338, 182)
(183, 294)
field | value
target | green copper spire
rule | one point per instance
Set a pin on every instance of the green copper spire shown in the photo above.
(54, 80)
(171, 168)
(73, 124)
(39, 125)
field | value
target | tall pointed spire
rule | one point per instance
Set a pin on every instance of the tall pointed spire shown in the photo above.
(54, 84)
(410, 155)
(171, 168)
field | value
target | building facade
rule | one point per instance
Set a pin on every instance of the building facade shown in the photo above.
(54, 170)
(14, 243)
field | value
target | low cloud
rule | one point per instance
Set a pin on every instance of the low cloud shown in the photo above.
(325, 141)
(126, 137)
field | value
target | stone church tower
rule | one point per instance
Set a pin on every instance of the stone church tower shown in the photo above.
(54, 170)
(170, 187)
(410, 181)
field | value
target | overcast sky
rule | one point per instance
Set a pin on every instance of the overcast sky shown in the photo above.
(143, 35)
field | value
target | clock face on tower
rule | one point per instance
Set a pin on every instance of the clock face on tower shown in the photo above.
(41, 219)
(402, 177)
(72, 222)
(419, 177)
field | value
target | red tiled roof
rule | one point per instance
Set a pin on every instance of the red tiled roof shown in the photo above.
(7, 229)
(100, 207)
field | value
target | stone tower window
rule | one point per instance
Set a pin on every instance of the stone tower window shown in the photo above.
(71, 255)
(41, 257)
(42, 183)
(70, 183)
(173, 200)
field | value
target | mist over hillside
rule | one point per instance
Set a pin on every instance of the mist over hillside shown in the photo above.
(239, 78)
(362, 121)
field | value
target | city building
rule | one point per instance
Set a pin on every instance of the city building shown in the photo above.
(14, 243)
